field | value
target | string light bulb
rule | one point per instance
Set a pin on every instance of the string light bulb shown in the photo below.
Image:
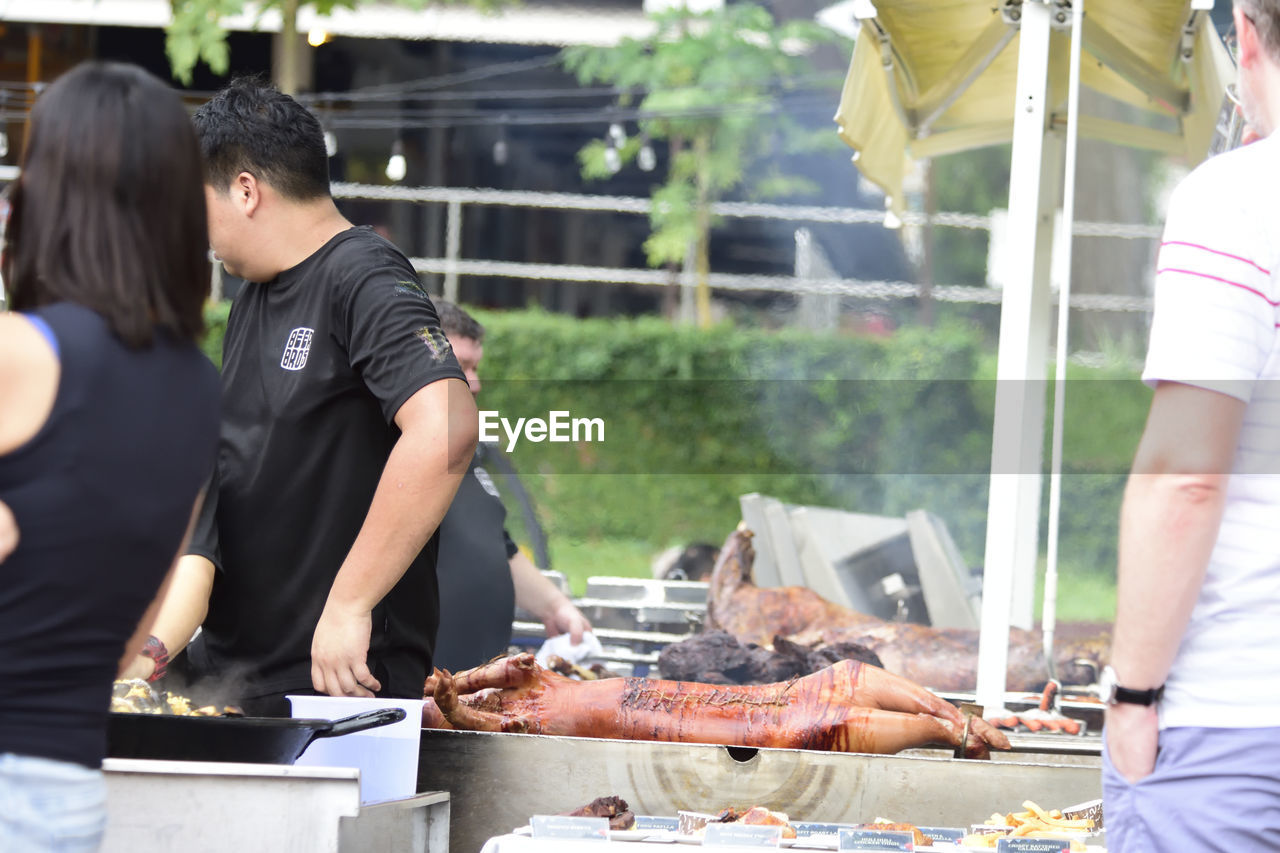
(317, 37)
(617, 136)
(396, 165)
(500, 150)
(645, 158)
(612, 160)
(330, 143)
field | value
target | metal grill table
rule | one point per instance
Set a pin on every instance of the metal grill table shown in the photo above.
(634, 619)
(212, 807)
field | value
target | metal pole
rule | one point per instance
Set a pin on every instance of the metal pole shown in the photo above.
(452, 250)
(215, 279)
(1050, 613)
(688, 284)
(1017, 442)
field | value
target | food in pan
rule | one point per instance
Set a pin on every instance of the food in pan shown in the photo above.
(847, 707)
(760, 816)
(695, 823)
(1032, 822)
(614, 808)
(1037, 818)
(135, 696)
(940, 658)
(918, 839)
(590, 672)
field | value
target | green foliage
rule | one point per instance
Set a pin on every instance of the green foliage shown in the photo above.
(694, 419)
(195, 33)
(215, 321)
(970, 182)
(715, 79)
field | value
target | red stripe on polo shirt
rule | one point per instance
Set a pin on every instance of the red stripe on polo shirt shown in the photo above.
(1273, 303)
(1216, 252)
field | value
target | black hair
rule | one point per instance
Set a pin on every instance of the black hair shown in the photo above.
(457, 322)
(109, 210)
(253, 127)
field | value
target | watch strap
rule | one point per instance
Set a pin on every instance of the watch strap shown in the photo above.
(1138, 697)
(155, 649)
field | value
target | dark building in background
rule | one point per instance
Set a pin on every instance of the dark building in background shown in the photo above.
(490, 153)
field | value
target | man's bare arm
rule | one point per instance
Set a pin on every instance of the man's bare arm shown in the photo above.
(1168, 526)
(438, 427)
(543, 599)
(176, 611)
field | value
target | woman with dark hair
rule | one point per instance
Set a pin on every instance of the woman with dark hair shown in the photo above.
(108, 427)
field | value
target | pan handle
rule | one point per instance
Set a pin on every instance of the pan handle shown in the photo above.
(360, 722)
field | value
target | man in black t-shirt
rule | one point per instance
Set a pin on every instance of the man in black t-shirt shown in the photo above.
(347, 426)
(482, 573)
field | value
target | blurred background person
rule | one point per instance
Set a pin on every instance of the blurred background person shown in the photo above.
(108, 426)
(483, 575)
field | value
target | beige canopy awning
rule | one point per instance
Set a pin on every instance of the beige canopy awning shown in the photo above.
(933, 77)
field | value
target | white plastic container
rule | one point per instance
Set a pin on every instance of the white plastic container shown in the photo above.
(387, 756)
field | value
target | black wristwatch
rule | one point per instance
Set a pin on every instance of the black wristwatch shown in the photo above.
(1111, 692)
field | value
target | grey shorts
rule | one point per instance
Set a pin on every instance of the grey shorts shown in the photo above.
(1211, 790)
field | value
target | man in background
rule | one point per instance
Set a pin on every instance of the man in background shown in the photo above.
(483, 574)
(1192, 734)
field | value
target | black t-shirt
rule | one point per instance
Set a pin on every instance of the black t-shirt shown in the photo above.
(477, 596)
(315, 366)
(102, 496)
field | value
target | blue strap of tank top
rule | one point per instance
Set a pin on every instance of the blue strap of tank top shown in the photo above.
(45, 329)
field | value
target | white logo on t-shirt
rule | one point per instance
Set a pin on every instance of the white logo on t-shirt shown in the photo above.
(297, 349)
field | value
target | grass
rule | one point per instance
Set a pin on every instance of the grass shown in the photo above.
(580, 559)
(1083, 596)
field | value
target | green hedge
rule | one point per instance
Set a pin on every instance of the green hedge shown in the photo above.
(215, 321)
(696, 418)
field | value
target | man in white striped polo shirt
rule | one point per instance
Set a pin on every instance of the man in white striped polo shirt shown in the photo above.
(1192, 757)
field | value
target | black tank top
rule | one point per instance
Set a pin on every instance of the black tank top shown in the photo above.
(102, 495)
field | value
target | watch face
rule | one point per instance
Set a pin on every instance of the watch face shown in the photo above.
(1107, 686)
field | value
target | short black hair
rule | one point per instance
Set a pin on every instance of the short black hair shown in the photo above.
(109, 211)
(458, 323)
(251, 126)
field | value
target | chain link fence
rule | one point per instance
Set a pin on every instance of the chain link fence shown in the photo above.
(452, 266)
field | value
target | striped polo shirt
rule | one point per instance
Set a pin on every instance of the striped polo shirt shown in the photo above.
(1216, 326)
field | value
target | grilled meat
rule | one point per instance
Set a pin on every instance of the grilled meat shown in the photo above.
(847, 707)
(940, 658)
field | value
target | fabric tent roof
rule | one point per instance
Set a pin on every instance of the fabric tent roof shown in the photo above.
(933, 77)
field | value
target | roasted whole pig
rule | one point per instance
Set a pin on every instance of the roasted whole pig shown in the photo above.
(939, 658)
(847, 707)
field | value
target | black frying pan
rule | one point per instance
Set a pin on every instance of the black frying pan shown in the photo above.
(256, 740)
